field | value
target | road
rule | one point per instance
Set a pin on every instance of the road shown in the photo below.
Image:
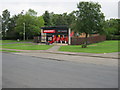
(32, 72)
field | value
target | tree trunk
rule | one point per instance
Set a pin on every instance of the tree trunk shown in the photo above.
(85, 42)
(27, 38)
(3, 35)
(86, 36)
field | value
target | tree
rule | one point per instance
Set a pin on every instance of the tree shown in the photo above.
(64, 19)
(46, 17)
(59, 20)
(32, 25)
(118, 26)
(71, 18)
(111, 28)
(5, 21)
(0, 27)
(89, 18)
(41, 21)
(11, 32)
(31, 12)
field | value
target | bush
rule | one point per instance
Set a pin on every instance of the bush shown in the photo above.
(84, 45)
(113, 37)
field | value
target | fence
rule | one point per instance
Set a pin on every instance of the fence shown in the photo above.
(37, 39)
(90, 40)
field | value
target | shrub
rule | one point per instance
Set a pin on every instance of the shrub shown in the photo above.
(113, 37)
(84, 45)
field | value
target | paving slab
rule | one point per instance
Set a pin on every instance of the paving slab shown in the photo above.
(54, 48)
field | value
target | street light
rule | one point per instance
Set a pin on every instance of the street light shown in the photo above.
(24, 31)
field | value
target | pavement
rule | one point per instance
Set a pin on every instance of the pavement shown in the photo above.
(73, 58)
(54, 50)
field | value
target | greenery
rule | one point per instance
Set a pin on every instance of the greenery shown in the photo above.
(11, 41)
(17, 44)
(46, 17)
(27, 47)
(32, 24)
(103, 47)
(89, 18)
(13, 28)
(83, 45)
(64, 19)
(7, 41)
(5, 21)
(9, 51)
(23, 46)
(111, 28)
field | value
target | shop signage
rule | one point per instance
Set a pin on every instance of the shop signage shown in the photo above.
(48, 31)
(62, 31)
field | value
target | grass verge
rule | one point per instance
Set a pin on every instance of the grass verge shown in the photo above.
(31, 47)
(16, 44)
(9, 51)
(11, 41)
(102, 47)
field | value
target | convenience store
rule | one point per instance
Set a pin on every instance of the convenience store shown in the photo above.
(55, 35)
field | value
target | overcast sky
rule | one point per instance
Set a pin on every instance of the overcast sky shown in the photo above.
(109, 7)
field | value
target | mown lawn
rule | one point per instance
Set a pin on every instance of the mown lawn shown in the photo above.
(10, 41)
(17, 44)
(102, 47)
(27, 47)
(9, 51)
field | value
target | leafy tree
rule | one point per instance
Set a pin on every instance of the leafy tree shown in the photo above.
(111, 28)
(46, 17)
(60, 20)
(52, 18)
(5, 21)
(11, 32)
(118, 26)
(89, 18)
(71, 18)
(32, 25)
(31, 12)
(0, 27)
(41, 21)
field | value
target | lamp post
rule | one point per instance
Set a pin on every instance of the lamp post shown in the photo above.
(24, 31)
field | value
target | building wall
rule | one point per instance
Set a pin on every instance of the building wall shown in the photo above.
(83, 35)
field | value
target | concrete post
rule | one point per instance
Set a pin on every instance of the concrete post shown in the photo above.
(41, 34)
(69, 41)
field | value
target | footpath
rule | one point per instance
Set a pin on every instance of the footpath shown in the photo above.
(109, 59)
(54, 50)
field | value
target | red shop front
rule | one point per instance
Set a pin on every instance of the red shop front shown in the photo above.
(55, 35)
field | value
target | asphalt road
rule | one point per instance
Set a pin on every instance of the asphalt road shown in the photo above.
(31, 72)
